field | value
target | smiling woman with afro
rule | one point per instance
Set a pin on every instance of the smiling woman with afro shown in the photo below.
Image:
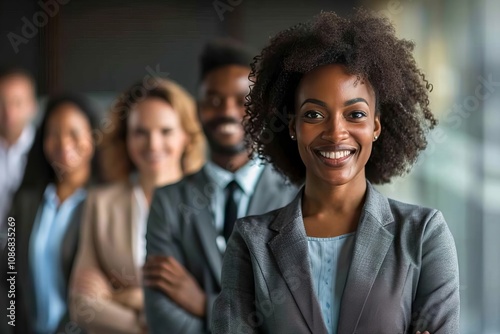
(368, 47)
(341, 257)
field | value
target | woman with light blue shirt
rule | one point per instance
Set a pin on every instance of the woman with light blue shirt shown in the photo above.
(47, 210)
(340, 258)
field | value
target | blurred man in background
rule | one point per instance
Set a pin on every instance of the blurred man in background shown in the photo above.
(17, 110)
(190, 222)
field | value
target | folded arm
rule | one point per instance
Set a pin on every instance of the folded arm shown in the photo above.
(436, 306)
(94, 304)
(163, 312)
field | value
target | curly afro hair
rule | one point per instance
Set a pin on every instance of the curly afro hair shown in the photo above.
(367, 45)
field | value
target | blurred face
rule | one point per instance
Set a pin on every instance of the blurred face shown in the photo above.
(68, 140)
(222, 108)
(156, 139)
(335, 124)
(17, 105)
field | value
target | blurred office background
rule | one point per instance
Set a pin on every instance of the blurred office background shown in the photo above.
(102, 47)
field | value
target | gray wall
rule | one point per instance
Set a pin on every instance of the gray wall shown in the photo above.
(96, 46)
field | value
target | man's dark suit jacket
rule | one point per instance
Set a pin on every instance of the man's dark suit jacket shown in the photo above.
(24, 210)
(181, 224)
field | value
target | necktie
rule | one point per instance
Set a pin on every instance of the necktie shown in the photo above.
(231, 209)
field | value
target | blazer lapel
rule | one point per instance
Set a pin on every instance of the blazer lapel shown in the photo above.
(125, 233)
(290, 249)
(266, 190)
(203, 222)
(26, 205)
(270, 190)
(118, 232)
(371, 246)
(70, 241)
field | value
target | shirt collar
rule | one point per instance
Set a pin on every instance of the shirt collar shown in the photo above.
(246, 177)
(50, 196)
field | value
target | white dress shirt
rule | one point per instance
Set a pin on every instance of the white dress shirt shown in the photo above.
(142, 212)
(12, 165)
(246, 177)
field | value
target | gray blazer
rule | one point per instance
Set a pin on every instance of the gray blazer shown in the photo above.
(403, 275)
(180, 224)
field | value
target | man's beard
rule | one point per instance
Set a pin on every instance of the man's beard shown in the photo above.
(215, 145)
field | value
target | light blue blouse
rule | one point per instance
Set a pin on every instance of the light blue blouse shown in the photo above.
(330, 259)
(52, 221)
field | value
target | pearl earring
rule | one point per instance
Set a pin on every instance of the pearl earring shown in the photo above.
(292, 136)
(375, 138)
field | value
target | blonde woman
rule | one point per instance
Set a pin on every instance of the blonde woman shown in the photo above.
(154, 139)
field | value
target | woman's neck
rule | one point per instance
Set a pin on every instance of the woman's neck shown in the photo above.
(332, 210)
(323, 198)
(69, 181)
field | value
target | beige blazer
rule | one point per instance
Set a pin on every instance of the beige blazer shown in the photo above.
(105, 288)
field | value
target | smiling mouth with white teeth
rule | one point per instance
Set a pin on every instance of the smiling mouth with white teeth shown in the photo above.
(228, 128)
(335, 154)
(335, 158)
